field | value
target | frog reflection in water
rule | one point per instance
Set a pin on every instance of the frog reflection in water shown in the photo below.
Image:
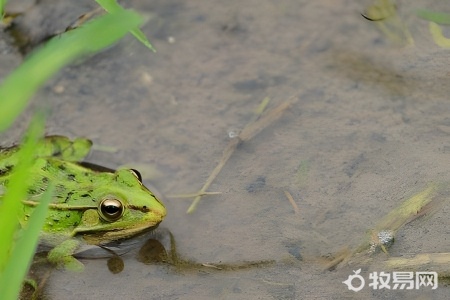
(88, 206)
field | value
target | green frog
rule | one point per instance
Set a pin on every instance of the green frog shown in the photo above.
(90, 204)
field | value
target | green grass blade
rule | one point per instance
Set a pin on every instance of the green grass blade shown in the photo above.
(19, 262)
(112, 6)
(28, 77)
(2, 7)
(10, 205)
(142, 38)
(437, 17)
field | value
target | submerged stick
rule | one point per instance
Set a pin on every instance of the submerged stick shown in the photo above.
(412, 206)
(246, 134)
(421, 261)
(193, 195)
(382, 234)
(292, 201)
(232, 145)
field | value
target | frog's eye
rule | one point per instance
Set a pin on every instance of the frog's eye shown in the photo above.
(111, 210)
(137, 174)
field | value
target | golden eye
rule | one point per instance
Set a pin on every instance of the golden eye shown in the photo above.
(137, 174)
(110, 210)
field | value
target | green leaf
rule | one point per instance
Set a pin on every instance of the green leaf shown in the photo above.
(15, 255)
(10, 205)
(19, 262)
(437, 17)
(112, 6)
(18, 87)
(2, 7)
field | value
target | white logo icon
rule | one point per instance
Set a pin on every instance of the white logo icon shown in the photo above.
(349, 281)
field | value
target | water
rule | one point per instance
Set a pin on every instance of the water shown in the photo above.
(370, 128)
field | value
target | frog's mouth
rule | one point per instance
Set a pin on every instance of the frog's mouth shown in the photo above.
(103, 237)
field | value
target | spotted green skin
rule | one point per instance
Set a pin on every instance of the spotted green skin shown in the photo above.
(74, 212)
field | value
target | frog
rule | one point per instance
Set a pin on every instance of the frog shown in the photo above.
(91, 204)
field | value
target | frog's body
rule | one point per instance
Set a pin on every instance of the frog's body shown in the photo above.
(99, 206)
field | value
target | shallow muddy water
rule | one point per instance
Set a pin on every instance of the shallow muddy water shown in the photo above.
(369, 128)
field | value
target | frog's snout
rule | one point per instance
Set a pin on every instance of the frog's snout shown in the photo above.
(159, 213)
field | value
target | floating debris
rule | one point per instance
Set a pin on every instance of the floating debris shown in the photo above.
(384, 13)
(384, 239)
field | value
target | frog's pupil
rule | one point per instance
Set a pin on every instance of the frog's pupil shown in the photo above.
(111, 209)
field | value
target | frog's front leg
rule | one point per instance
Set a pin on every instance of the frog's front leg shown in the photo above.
(62, 256)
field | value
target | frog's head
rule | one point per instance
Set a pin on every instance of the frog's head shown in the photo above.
(125, 207)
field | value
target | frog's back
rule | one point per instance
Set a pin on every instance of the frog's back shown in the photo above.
(50, 146)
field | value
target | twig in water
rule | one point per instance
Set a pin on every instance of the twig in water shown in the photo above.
(246, 134)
